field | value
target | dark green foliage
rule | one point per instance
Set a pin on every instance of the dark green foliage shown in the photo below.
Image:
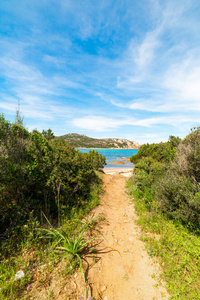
(178, 197)
(174, 141)
(39, 174)
(97, 161)
(48, 134)
(160, 152)
(147, 170)
(190, 154)
(169, 173)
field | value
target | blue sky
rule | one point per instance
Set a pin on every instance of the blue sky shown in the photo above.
(125, 69)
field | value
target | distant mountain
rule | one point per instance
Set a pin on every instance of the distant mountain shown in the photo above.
(82, 141)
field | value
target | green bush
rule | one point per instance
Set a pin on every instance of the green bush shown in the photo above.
(97, 160)
(163, 152)
(188, 158)
(168, 175)
(178, 197)
(146, 172)
(39, 173)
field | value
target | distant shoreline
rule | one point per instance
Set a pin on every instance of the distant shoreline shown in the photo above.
(107, 148)
(118, 168)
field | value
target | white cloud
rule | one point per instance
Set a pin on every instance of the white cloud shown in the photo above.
(10, 107)
(100, 123)
(96, 123)
(169, 103)
(176, 88)
(146, 51)
(137, 60)
(163, 76)
(38, 94)
(183, 80)
(143, 138)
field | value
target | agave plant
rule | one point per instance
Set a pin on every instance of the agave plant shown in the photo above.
(70, 246)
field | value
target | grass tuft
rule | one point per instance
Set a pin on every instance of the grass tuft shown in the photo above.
(71, 247)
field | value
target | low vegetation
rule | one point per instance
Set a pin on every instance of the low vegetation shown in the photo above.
(40, 177)
(166, 193)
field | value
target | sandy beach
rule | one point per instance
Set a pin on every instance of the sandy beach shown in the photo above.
(127, 172)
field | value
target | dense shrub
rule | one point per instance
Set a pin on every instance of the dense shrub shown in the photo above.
(39, 173)
(178, 197)
(147, 170)
(160, 152)
(168, 175)
(97, 161)
(190, 152)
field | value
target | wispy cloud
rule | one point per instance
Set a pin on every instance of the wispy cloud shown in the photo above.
(138, 60)
(183, 80)
(101, 124)
(113, 67)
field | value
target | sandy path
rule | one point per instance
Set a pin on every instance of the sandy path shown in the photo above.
(124, 270)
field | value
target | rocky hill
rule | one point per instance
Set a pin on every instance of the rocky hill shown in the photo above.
(82, 141)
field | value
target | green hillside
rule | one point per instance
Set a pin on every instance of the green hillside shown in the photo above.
(83, 141)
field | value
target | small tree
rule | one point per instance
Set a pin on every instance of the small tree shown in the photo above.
(48, 134)
(18, 118)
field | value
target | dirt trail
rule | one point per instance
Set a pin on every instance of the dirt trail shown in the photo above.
(125, 270)
(122, 269)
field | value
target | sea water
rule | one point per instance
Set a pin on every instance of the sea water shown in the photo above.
(118, 155)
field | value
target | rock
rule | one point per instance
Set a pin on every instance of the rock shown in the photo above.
(118, 162)
(19, 275)
(103, 288)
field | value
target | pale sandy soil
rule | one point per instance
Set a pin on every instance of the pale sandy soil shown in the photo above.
(125, 270)
(127, 172)
(122, 269)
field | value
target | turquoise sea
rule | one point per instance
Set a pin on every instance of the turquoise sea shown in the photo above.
(115, 155)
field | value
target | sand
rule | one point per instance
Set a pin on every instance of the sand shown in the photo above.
(127, 172)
